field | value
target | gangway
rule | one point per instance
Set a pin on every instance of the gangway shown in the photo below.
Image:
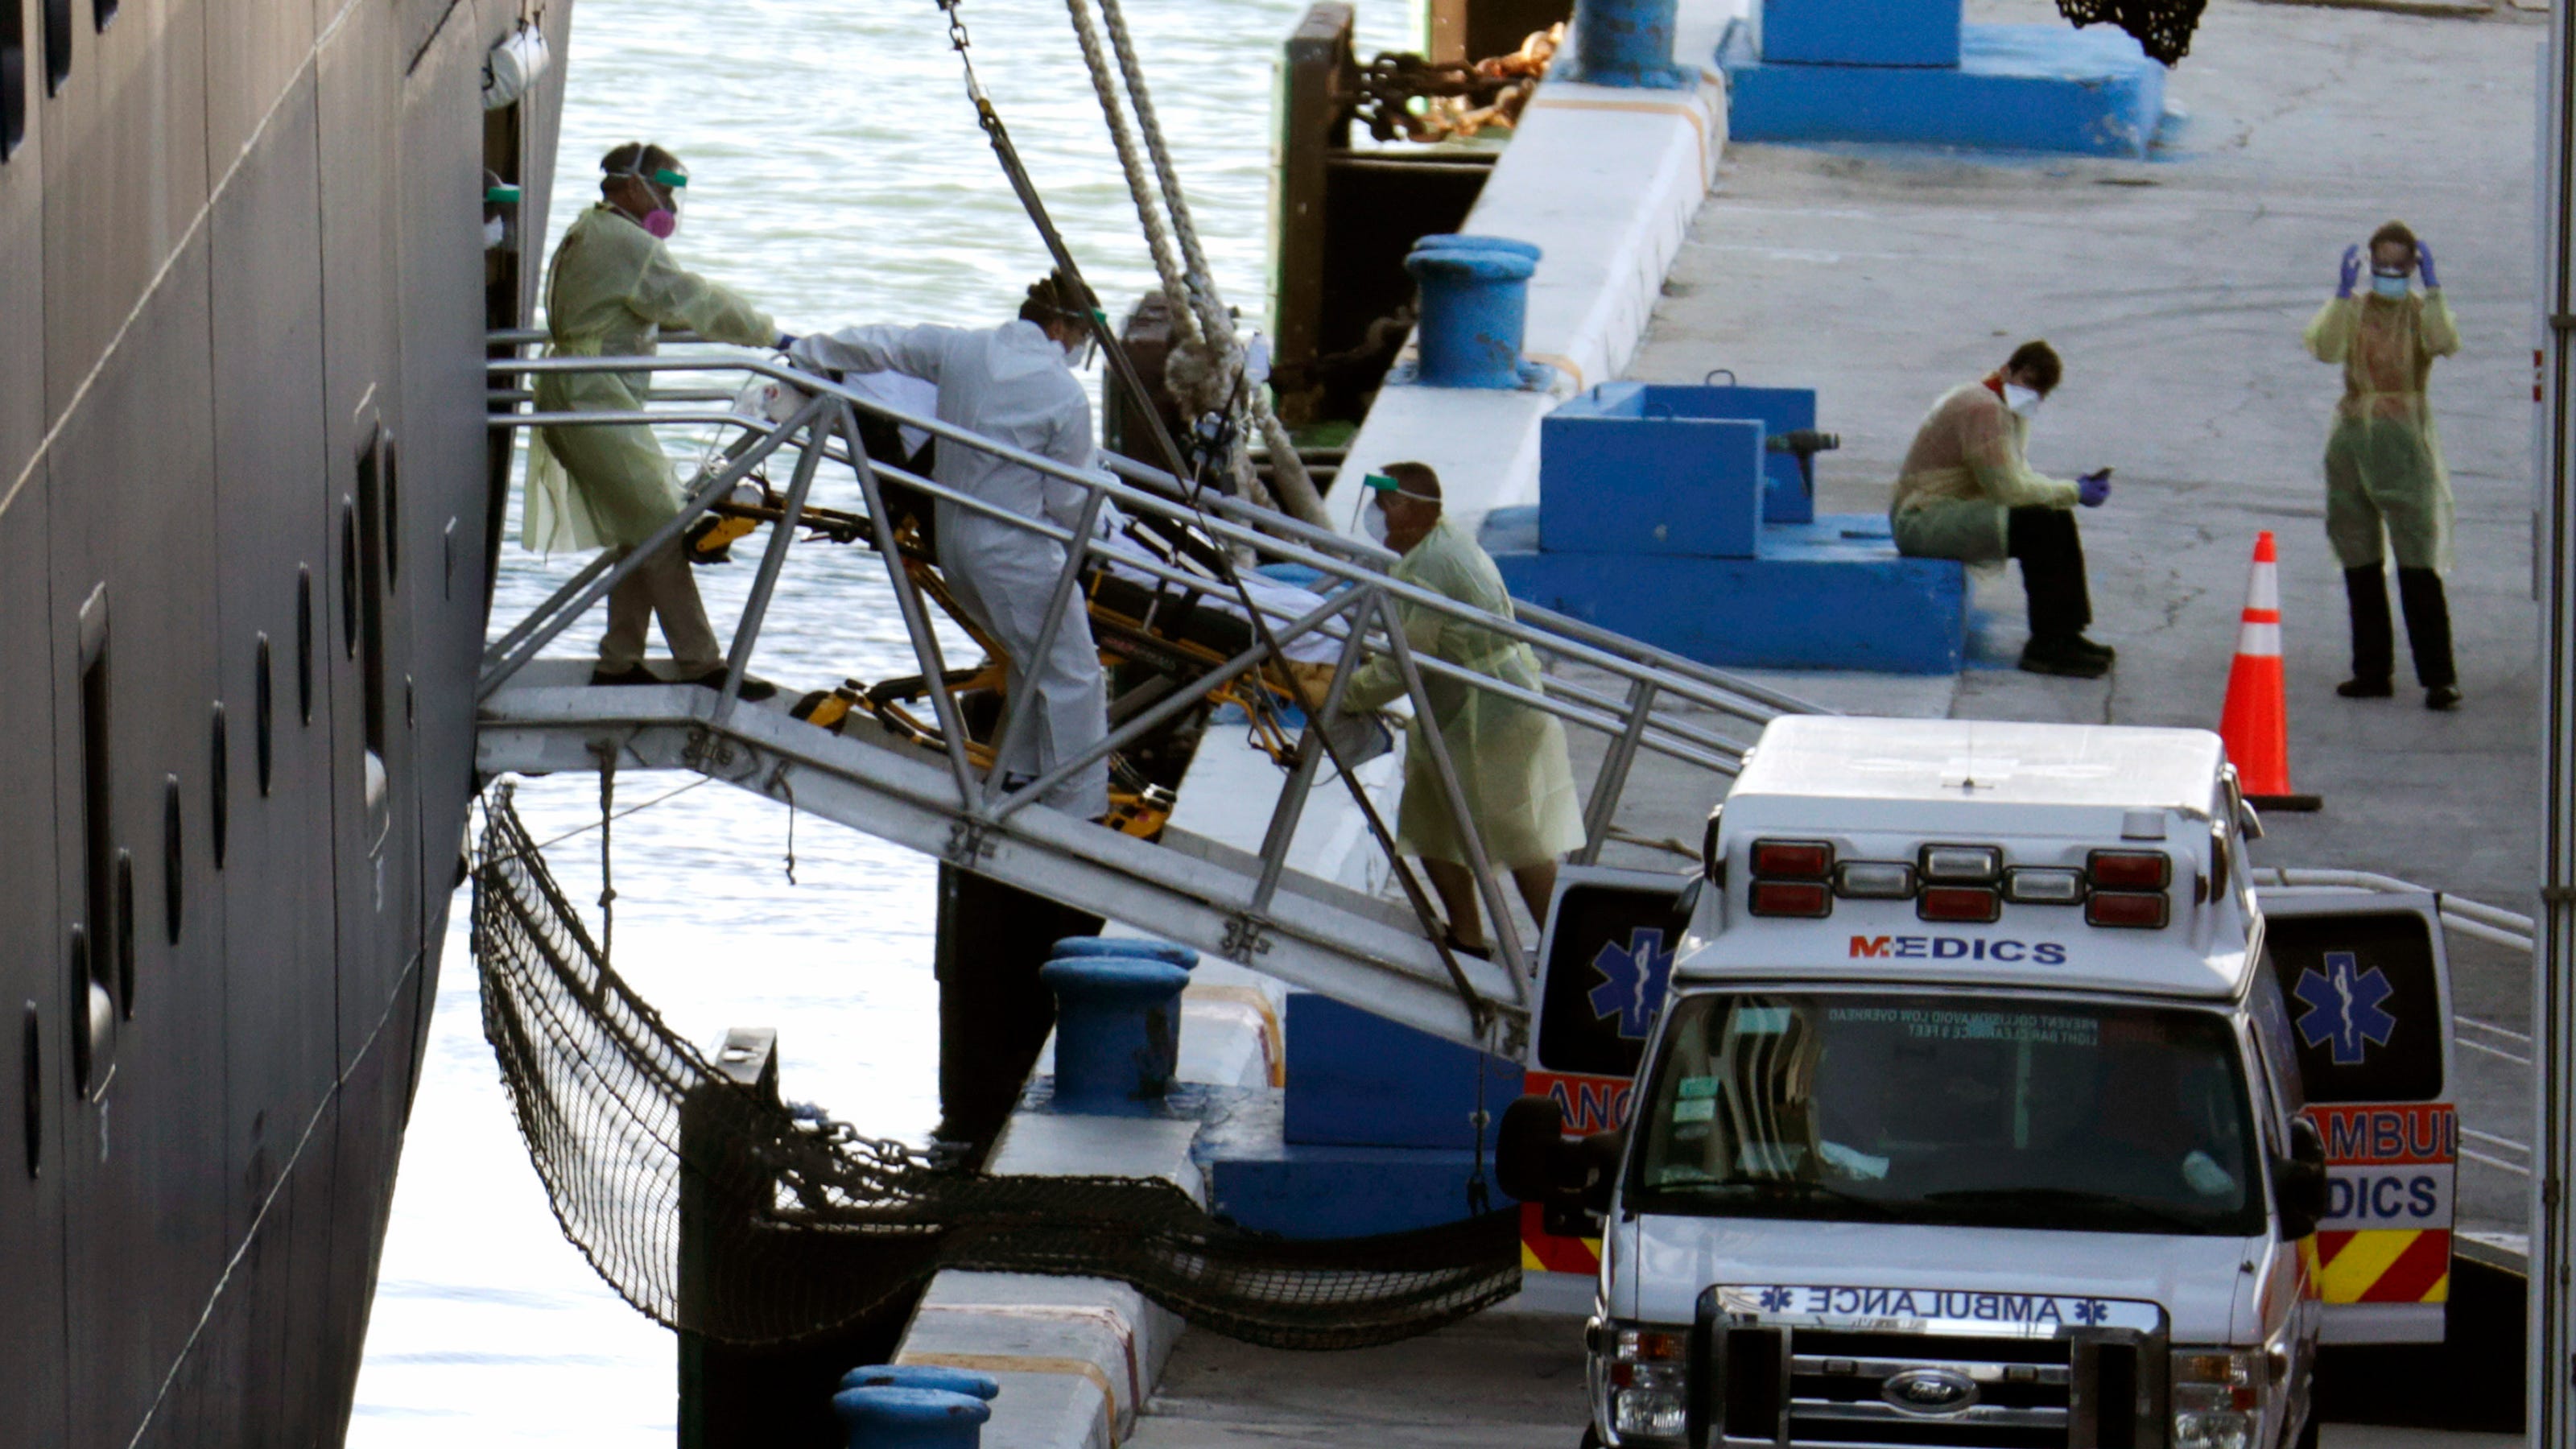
(540, 715)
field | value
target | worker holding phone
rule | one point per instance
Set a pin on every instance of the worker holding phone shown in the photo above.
(1967, 493)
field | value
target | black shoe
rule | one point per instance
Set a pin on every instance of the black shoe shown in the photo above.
(2442, 697)
(2366, 688)
(2082, 645)
(2060, 657)
(752, 689)
(1481, 953)
(631, 674)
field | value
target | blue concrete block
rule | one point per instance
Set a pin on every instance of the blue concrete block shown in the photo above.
(1778, 409)
(2016, 88)
(1616, 476)
(1828, 595)
(1361, 1080)
(1347, 1192)
(1859, 32)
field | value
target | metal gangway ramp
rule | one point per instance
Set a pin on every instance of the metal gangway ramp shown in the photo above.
(540, 715)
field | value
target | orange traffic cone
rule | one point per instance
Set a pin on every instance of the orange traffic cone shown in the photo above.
(2256, 721)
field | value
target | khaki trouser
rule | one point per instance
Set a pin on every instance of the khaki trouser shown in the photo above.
(662, 588)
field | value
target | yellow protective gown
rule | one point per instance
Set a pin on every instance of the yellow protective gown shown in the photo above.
(1510, 759)
(612, 288)
(2384, 470)
(1963, 474)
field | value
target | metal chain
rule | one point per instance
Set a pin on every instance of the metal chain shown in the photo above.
(606, 753)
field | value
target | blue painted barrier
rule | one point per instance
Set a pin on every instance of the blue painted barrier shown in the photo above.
(923, 1376)
(893, 1418)
(1357, 1080)
(1626, 43)
(1475, 303)
(2039, 88)
(1860, 32)
(1073, 948)
(1117, 1032)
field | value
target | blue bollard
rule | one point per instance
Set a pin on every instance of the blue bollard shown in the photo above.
(892, 1418)
(1475, 302)
(1076, 947)
(923, 1376)
(1626, 43)
(1117, 1033)
(1454, 241)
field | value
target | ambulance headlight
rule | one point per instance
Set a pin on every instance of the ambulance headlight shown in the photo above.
(1645, 1381)
(2217, 1397)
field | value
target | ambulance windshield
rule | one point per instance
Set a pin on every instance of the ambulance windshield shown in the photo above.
(1950, 1110)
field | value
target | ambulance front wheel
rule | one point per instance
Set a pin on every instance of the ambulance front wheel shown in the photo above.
(1592, 1439)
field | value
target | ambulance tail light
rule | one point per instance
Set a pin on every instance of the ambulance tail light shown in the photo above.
(1874, 880)
(2129, 870)
(1962, 864)
(2135, 910)
(1793, 859)
(1809, 898)
(2029, 885)
(1977, 905)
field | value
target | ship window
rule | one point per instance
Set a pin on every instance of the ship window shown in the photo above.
(98, 820)
(58, 44)
(369, 578)
(13, 76)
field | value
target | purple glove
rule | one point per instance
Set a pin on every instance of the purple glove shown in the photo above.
(785, 340)
(2424, 266)
(2093, 487)
(2351, 273)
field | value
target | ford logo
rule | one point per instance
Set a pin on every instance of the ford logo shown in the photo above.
(1929, 1391)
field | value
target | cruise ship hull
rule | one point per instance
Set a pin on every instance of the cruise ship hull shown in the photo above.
(246, 506)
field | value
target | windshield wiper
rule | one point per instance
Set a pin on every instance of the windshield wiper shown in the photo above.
(2066, 1197)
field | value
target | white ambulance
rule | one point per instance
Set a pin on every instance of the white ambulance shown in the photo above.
(1968, 1105)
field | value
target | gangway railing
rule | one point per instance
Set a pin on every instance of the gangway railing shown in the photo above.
(1252, 909)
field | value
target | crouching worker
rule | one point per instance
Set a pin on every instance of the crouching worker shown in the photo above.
(1966, 493)
(612, 288)
(1510, 759)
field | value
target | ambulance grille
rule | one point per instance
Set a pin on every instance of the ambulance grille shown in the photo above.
(1782, 1386)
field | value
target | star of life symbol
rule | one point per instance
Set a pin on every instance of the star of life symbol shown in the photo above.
(2091, 1310)
(1632, 980)
(1774, 1299)
(2344, 1007)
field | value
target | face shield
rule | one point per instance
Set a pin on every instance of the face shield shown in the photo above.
(1373, 516)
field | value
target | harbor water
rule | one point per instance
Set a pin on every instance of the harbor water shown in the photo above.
(838, 176)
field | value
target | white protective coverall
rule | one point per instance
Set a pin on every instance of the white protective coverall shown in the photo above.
(1510, 758)
(1011, 384)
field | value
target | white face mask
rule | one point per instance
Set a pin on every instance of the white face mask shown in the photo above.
(2021, 399)
(1373, 522)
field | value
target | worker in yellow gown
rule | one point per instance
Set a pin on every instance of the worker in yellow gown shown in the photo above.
(1510, 759)
(2386, 489)
(613, 287)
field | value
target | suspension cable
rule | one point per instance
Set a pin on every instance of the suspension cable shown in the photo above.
(1480, 1012)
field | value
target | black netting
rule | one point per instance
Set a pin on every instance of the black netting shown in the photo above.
(2163, 27)
(712, 1207)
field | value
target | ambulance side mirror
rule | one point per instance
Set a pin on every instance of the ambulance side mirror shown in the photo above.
(1529, 1148)
(2299, 1181)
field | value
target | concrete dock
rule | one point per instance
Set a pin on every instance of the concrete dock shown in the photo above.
(2176, 289)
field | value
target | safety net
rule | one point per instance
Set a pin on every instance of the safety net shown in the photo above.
(715, 1208)
(2163, 27)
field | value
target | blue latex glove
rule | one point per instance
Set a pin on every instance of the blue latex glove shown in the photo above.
(2093, 487)
(2351, 273)
(785, 340)
(2424, 266)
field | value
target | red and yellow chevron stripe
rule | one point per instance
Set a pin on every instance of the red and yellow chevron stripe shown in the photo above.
(2382, 1265)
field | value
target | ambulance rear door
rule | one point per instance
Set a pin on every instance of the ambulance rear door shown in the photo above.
(1604, 961)
(2365, 991)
